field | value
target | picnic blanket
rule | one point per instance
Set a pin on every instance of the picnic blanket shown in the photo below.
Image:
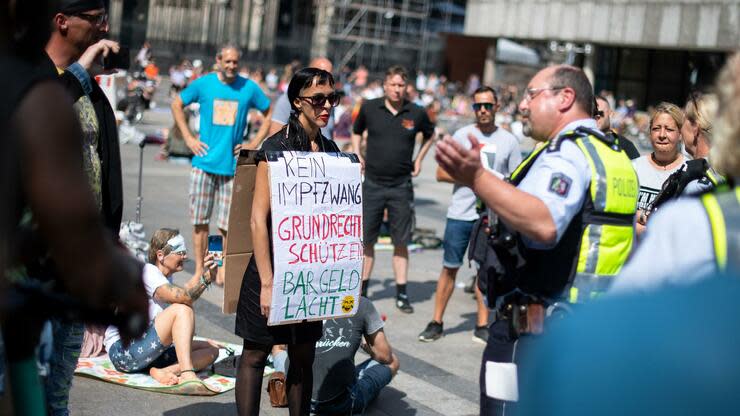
(211, 384)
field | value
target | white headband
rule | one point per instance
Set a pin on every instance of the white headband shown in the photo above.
(177, 243)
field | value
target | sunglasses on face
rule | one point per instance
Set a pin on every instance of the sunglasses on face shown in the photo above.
(598, 114)
(319, 100)
(487, 106)
(95, 19)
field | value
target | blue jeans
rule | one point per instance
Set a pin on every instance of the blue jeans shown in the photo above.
(142, 353)
(65, 353)
(372, 376)
(455, 242)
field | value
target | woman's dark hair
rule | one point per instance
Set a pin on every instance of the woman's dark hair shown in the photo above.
(297, 138)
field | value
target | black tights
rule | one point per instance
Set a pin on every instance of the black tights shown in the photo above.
(298, 383)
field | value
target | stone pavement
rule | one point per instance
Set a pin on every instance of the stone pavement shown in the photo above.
(439, 378)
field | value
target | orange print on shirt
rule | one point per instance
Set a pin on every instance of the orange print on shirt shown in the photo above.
(224, 112)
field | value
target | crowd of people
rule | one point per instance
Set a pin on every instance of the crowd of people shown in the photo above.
(584, 214)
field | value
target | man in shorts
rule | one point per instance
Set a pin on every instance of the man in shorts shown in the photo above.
(391, 123)
(225, 99)
(502, 153)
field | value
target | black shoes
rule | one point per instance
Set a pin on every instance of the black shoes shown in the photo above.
(403, 304)
(433, 332)
(480, 334)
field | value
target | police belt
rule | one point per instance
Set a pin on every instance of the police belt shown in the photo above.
(526, 314)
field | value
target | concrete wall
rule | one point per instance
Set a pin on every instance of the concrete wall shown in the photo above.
(681, 24)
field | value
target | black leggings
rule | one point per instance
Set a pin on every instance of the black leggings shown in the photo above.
(298, 383)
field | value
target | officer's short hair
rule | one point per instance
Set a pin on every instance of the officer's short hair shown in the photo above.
(725, 153)
(397, 70)
(484, 89)
(228, 45)
(572, 77)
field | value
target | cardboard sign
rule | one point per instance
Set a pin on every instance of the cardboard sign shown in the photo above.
(316, 208)
(238, 250)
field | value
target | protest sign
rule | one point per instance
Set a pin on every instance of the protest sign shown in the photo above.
(316, 209)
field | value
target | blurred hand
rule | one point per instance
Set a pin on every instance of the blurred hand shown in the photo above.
(211, 264)
(196, 146)
(417, 168)
(265, 300)
(237, 149)
(91, 59)
(462, 164)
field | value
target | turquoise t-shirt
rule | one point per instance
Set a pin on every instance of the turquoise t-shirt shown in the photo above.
(223, 118)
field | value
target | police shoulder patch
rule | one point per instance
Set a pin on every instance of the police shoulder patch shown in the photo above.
(560, 184)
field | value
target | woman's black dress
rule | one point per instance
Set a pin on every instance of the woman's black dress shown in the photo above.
(250, 324)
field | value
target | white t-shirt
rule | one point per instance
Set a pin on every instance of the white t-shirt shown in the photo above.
(153, 279)
(651, 180)
(506, 158)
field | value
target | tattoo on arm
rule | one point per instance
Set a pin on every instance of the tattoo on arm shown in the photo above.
(195, 291)
(177, 294)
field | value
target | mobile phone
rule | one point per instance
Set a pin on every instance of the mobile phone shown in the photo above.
(216, 247)
(120, 60)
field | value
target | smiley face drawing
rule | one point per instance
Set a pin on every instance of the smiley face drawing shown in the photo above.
(348, 303)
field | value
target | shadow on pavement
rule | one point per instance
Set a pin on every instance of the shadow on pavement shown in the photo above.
(417, 291)
(390, 402)
(199, 409)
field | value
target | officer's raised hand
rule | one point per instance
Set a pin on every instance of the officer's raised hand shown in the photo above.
(462, 164)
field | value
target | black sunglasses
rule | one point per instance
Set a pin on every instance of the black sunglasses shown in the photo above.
(320, 100)
(487, 106)
(95, 19)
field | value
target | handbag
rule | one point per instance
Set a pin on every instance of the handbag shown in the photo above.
(276, 389)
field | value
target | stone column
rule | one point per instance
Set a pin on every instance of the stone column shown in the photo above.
(489, 67)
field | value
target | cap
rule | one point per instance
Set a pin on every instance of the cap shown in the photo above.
(77, 6)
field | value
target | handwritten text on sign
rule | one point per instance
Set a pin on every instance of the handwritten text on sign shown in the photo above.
(316, 203)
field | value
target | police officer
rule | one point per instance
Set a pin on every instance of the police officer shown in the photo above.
(569, 207)
(694, 238)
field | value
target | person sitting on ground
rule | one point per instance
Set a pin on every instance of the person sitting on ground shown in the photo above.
(167, 348)
(340, 387)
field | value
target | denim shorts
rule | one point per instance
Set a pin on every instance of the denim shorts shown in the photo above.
(142, 353)
(455, 242)
(372, 376)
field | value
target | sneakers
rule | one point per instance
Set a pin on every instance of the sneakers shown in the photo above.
(403, 304)
(480, 334)
(432, 333)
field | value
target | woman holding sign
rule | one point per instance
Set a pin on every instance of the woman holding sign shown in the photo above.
(312, 96)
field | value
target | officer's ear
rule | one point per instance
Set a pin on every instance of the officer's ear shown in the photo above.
(567, 99)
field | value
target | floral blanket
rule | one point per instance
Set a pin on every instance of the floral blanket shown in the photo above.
(210, 384)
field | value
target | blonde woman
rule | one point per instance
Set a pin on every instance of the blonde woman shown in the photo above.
(697, 133)
(167, 349)
(679, 246)
(653, 169)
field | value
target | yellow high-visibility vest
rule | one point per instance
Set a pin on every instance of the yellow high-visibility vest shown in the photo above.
(606, 220)
(723, 210)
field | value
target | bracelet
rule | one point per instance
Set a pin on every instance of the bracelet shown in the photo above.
(204, 282)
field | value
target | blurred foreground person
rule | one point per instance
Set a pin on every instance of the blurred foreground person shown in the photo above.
(564, 224)
(659, 354)
(693, 238)
(50, 216)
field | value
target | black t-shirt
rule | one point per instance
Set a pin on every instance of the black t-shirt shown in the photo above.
(391, 139)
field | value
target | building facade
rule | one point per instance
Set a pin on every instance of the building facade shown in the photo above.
(650, 50)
